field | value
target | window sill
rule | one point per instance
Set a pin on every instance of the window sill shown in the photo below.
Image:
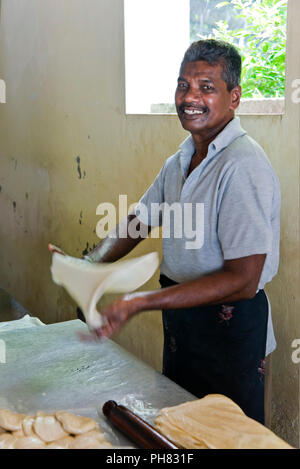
(248, 106)
(261, 106)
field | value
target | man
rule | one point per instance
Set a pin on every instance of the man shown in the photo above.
(215, 311)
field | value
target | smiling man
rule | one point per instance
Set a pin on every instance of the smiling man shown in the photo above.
(217, 324)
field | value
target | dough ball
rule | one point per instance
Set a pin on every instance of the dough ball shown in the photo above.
(18, 433)
(49, 431)
(75, 424)
(3, 438)
(90, 440)
(63, 443)
(54, 445)
(27, 426)
(48, 428)
(28, 442)
(11, 420)
(7, 441)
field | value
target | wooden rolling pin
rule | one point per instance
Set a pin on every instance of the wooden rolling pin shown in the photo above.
(135, 428)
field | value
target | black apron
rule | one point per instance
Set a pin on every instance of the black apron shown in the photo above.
(219, 349)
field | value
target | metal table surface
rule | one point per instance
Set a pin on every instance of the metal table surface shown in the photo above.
(48, 368)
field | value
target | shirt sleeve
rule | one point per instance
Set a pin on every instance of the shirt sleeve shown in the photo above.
(245, 211)
(148, 209)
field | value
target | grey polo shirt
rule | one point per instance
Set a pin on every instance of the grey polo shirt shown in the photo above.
(232, 202)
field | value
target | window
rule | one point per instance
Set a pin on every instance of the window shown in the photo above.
(156, 37)
(157, 33)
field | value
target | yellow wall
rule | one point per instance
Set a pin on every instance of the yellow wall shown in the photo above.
(63, 63)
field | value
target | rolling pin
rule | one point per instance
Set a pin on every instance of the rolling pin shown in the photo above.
(135, 428)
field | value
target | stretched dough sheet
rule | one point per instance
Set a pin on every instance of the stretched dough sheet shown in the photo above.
(215, 422)
(87, 282)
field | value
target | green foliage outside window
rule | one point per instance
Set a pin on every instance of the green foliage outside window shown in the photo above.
(261, 41)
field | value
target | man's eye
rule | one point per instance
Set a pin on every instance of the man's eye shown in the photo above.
(207, 87)
(182, 85)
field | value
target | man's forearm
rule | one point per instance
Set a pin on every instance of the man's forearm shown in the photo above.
(215, 288)
(237, 280)
(115, 246)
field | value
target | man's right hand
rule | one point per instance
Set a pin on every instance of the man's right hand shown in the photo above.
(53, 249)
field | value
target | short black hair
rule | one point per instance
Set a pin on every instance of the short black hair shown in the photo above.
(214, 52)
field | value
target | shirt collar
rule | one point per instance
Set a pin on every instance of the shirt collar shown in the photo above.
(232, 131)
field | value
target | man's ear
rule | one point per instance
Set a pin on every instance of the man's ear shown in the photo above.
(236, 94)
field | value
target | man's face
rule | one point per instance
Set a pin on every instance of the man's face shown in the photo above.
(203, 103)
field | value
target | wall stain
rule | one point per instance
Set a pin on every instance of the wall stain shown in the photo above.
(78, 166)
(86, 250)
(15, 205)
(0, 188)
(26, 195)
(80, 218)
(16, 162)
(80, 175)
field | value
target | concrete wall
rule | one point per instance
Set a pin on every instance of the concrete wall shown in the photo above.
(66, 145)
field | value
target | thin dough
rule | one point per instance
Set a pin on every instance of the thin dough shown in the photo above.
(75, 424)
(48, 428)
(87, 282)
(215, 422)
(11, 421)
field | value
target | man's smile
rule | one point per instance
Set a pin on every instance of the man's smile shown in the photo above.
(192, 111)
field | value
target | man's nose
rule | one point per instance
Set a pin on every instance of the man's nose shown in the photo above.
(193, 94)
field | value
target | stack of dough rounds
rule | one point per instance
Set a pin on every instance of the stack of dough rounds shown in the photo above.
(59, 430)
(215, 422)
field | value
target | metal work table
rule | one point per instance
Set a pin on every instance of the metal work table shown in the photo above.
(48, 368)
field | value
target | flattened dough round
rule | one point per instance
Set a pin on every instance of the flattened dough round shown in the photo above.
(63, 443)
(28, 442)
(48, 428)
(11, 421)
(90, 440)
(27, 426)
(18, 433)
(7, 441)
(49, 431)
(75, 424)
